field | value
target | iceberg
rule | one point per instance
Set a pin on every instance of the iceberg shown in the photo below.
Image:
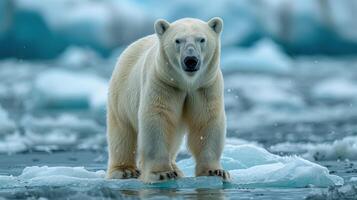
(249, 165)
(65, 89)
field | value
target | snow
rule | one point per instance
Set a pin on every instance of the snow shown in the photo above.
(345, 148)
(264, 56)
(6, 124)
(64, 89)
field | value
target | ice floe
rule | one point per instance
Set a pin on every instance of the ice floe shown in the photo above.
(254, 166)
(346, 192)
(63, 121)
(345, 148)
(336, 89)
(64, 89)
(250, 166)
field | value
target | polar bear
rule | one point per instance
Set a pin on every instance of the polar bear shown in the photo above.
(163, 86)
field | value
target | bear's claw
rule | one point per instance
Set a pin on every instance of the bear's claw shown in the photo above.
(125, 173)
(219, 172)
(168, 175)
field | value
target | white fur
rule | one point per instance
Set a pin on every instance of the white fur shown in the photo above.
(153, 102)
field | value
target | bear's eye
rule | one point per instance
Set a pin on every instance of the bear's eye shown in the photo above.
(177, 41)
(202, 40)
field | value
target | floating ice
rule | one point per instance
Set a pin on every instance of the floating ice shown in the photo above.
(80, 177)
(16, 142)
(64, 89)
(250, 166)
(77, 57)
(6, 124)
(268, 91)
(346, 192)
(255, 167)
(64, 121)
(265, 56)
(336, 89)
(337, 150)
(51, 133)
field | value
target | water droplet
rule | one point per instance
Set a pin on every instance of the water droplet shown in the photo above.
(201, 137)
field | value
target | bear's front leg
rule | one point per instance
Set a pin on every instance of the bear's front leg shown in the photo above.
(157, 124)
(207, 131)
(206, 144)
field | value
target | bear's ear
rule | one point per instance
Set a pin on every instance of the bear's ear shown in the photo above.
(161, 26)
(216, 24)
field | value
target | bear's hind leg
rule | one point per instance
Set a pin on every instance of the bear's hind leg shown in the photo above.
(122, 143)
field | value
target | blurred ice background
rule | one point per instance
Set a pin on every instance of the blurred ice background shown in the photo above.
(290, 71)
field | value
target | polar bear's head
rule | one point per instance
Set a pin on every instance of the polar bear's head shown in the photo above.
(190, 45)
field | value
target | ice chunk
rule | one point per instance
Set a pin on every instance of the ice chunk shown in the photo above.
(6, 124)
(64, 89)
(268, 91)
(336, 89)
(74, 172)
(77, 57)
(353, 179)
(265, 56)
(52, 133)
(345, 192)
(337, 150)
(64, 121)
(253, 166)
(13, 143)
(47, 141)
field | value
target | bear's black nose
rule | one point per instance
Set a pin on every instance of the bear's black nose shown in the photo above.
(191, 63)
